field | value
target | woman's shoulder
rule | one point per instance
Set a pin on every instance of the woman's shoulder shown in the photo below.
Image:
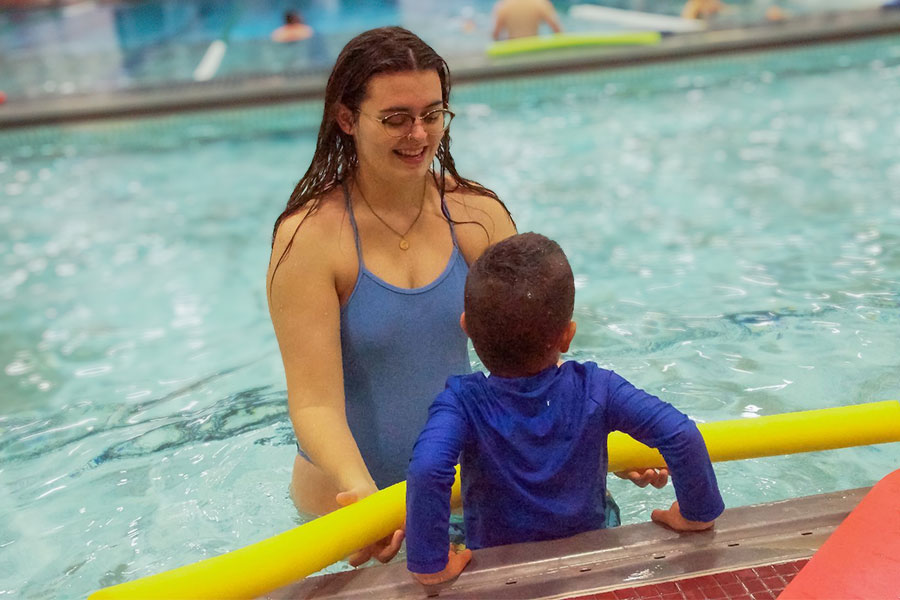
(317, 236)
(482, 209)
(321, 219)
(473, 204)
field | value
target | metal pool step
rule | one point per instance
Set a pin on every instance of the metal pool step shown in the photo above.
(624, 557)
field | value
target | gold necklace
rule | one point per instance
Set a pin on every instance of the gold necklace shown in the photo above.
(404, 244)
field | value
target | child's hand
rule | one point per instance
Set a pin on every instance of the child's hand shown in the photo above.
(456, 562)
(674, 519)
(655, 477)
(384, 549)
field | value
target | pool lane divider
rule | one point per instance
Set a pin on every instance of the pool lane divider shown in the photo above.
(257, 569)
(561, 41)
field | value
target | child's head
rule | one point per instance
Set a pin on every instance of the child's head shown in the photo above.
(519, 300)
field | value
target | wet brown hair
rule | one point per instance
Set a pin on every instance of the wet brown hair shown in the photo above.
(520, 295)
(374, 52)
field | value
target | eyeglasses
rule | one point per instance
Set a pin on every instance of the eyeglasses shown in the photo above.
(400, 125)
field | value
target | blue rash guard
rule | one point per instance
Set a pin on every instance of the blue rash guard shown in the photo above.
(398, 346)
(534, 458)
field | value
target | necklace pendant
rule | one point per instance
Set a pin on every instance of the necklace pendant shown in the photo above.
(404, 245)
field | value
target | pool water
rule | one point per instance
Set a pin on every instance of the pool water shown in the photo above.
(90, 47)
(733, 224)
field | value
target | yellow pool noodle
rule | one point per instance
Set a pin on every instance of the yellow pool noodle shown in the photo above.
(572, 40)
(283, 559)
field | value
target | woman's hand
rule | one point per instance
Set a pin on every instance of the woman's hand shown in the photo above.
(456, 562)
(384, 549)
(655, 477)
(674, 519)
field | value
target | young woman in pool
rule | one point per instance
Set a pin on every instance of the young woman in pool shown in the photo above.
(368, 266)
(369, 259)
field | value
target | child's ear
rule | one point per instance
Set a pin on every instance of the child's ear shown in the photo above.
(345, 120)
(566, 339)
(462, 323)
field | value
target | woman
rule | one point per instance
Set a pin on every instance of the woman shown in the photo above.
(369, 259)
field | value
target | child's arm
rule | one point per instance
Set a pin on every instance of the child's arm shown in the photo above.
(648, 419)
(430, 477)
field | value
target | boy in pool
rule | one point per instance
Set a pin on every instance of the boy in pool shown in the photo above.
(531, 437)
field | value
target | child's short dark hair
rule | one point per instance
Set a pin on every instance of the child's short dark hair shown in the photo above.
(519, 299)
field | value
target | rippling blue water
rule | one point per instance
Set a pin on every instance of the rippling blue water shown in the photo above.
(734, 226)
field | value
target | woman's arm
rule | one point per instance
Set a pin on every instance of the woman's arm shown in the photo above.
(305, 311)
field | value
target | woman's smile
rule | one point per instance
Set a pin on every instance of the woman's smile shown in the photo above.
(412, 156)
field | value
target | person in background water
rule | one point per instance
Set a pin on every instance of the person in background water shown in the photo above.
(531, 437)
(522, 18)
(701, 9)
(293, 30)
(775, 13)
(369, 260)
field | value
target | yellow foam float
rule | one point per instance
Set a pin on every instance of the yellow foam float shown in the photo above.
(285, 558)
(572, 40)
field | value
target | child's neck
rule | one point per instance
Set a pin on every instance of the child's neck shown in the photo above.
(529, 371)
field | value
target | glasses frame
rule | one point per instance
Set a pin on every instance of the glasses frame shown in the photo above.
(412, 122)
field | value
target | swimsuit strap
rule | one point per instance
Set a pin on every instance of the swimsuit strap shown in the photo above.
(359, 255)
(446, 214)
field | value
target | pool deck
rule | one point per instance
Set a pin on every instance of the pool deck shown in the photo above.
(229, 93)
(752, 552)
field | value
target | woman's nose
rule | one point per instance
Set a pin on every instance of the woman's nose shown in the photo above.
(418, 130)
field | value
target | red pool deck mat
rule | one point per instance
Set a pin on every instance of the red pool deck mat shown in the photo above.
(757, 583)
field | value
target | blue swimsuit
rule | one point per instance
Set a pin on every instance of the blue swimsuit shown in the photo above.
(398, 347)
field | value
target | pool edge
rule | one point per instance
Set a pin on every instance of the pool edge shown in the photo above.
(605, 560)
(270, 89)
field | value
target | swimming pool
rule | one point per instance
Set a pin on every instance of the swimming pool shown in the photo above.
(91, 47)
(733, 225)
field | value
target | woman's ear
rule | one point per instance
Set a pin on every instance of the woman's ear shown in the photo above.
(345, 119)
(462, 323)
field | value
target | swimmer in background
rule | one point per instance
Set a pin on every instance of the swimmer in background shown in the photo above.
(522, 18)
(706, 9)
(467, 19)
(775, 13)
(701, 9)
(293, 30)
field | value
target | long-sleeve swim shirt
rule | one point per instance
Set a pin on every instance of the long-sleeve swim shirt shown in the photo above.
(534, 458)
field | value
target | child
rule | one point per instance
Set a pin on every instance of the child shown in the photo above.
(532, 435)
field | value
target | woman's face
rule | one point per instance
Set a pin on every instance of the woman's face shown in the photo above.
(409, 157)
